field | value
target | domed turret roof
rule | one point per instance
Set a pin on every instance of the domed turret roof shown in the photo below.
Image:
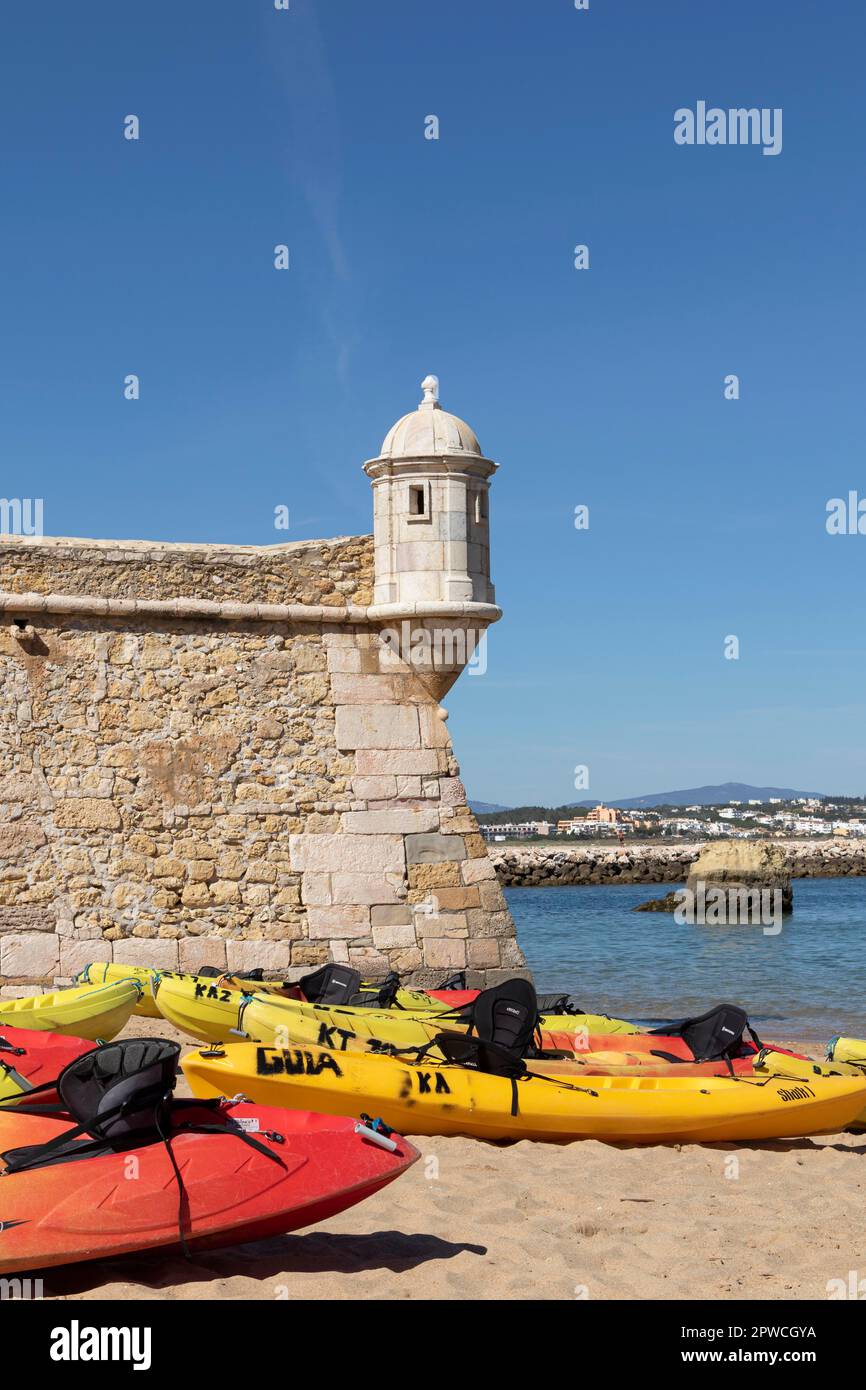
(430, 430)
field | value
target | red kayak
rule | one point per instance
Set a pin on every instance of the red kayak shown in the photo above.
(661, 1047)
(457, 998)
(30, 1058)
(293, 1169)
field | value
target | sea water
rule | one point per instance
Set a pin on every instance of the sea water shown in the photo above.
(808, 982)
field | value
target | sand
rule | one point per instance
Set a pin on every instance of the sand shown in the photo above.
(587, 1220)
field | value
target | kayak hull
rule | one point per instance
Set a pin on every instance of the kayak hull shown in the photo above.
(106, 973)
(95, 1012)
(29, 1058)
(439, 1099)
(232, 1192)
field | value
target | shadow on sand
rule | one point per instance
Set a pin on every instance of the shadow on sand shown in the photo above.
(265, 1261)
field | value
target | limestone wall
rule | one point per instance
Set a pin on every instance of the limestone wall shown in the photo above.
(207, 758)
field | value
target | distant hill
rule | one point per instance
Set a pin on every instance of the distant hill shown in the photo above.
(690, 796)
(718, 795)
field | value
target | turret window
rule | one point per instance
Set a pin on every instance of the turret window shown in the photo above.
(480, 507)
(419, 501)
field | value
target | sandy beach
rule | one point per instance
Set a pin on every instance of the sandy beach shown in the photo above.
(587, 1220)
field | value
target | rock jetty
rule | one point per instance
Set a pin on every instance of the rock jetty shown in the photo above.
(544, 866)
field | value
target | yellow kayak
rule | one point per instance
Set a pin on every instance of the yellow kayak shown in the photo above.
(852, 1050)
(95, 1012)
(442, 1099)
(208, 1009)
(282, 1022)
(201, 1006)
(103, 973)
(780, 1064)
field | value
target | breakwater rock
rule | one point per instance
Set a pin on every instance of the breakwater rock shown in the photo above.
(750, 869)
(544, 866)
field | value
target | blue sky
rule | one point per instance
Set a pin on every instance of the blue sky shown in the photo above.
(602, 387)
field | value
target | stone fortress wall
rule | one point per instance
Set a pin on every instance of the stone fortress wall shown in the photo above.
(222, 755)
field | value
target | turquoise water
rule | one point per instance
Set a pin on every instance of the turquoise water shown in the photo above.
(808, 982)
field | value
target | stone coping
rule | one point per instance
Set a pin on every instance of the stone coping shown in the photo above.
(87, 605)
(204, 549)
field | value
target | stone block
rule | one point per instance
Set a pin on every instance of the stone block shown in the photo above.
(389, 938)
(434, 849)
(433, 729)
(362, 888)
(452, 791)
(398, 915)
(404, 962)
(250, 955)
(19, 838)
(346, 922)
(446, 924)
(195, 895)
(308, 955)
(157, 955)
(511, 953)
(74, 955)
(444, 952)
(396, 822)
(316, 890)
(456, 899)
(29, 955)
(347, 853)
(87, 813)
(491, 897)
(376, 726)
(483, 954)
(351, 689)
(224, 892)
(477, 870)
(368, 961)
(426, 877)
(412, 762)
(24, 918)
(374, 788)
(196, 951)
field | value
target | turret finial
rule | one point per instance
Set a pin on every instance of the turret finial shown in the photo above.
(430, 387)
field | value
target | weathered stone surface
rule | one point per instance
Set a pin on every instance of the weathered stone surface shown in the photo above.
(86, 813)
(27, 919)
(161, 955)
(19, 838)
(444, 953)
(362, 888)
(483, 954)
(345, 922)
(347, 853)
(413, 762)
(251, 955)
(434, 849)
(389, 938)
(401, 822)
(29, 955)
(391, 916)
(75, 955)
(744, 863)
(194, 952)
(377, 726)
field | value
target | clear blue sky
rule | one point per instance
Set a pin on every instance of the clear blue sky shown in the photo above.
(455, 257)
